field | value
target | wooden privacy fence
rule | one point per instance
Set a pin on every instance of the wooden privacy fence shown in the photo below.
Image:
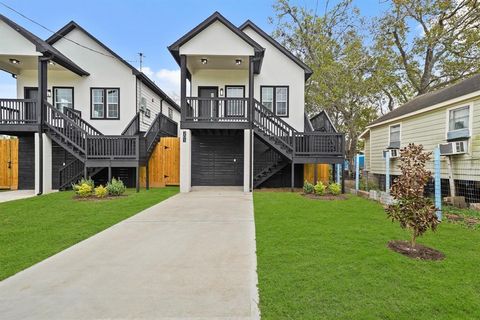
(9, 164)
(164, 164)
(323, 172)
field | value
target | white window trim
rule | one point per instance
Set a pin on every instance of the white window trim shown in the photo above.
(389, 132)
(470, 119)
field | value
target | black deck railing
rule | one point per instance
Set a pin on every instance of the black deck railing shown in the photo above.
(113, 147)
(316, 144)
(216, 109)
(18, 111)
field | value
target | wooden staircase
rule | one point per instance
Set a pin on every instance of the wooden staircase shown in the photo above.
(290, 145)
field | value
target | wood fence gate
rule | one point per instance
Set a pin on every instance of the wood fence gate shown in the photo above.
(323, 172)
(9, 164)
(164, 164)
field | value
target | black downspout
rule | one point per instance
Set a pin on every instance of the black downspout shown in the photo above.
(251, 92)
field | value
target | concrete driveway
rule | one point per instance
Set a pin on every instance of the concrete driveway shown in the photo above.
(191, 256)
(15, 195)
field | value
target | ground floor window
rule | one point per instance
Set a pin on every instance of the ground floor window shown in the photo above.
(105, 103)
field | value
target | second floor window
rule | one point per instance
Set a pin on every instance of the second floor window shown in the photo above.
(458, 123)
(62, 98)
(394, 136)
(275, 98)
(105, 103)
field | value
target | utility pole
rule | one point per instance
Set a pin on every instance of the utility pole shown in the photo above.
(141, 56)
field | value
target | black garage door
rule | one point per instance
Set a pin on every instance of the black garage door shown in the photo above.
(217, 160)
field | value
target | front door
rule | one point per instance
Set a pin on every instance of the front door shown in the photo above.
(30, 93)
(207, 109)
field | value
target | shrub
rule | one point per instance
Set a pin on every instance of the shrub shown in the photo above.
(411, 208)
(83, 190)
(101, 192)
(319, 188)
(335, 189)
(88, 181)
(307, 187)
(116, 187)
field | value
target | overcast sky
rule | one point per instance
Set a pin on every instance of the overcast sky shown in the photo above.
(132, 26)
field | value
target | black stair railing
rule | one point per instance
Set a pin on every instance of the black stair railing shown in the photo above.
(112, 147)
(273, 126)
(66, 128)
(76, 117)
(161, 126)
(133, 127)
(70, 173)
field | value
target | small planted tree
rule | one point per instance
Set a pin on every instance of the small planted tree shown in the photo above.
(411, 208)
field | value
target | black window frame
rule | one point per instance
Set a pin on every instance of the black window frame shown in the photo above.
(105, 102)
(274, 107)
(63, 87)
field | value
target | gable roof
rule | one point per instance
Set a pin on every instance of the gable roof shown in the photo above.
(430, 99)
(45, 48)
(276, 44)
(324, 114)
(69, 27)
(216, 16)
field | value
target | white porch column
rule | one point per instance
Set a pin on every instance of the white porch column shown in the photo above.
(185, 160)
(247, 149)
(47, 164)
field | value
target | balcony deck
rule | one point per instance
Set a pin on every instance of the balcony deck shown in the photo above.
(216, 113)
(18, 116)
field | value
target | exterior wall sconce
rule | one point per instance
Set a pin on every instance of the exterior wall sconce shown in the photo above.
(204, 61)
(238, 62)
(221, 92)
(49, 93)
(50, 62)
(14, 61)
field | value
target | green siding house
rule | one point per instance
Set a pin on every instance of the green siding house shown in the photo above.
(448, 117)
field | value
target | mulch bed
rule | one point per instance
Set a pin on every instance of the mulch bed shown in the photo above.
(460, 218)
(420, 252)
(325, 196)
(95, 199)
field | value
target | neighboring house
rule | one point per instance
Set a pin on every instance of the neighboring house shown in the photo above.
(81, 108)
(243, 122)
(449, 117)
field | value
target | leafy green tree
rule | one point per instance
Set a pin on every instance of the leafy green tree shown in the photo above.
(424, 45)
(411, 208)
(332, 45)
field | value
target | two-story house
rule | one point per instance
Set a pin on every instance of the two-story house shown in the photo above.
(243, 119)
(81, 110)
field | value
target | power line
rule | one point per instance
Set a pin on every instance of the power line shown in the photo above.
(59, 35)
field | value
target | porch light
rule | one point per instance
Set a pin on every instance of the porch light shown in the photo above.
(14, 76)
(204, 61)
(50, 62)
(238, 62)
(14, 61)
(221, 92)
(49, 93)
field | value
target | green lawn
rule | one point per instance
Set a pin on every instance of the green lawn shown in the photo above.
(35, 228)
(329, 260)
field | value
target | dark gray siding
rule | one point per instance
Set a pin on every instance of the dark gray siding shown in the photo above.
(59, 157)
(26, 162)
(217, 158)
